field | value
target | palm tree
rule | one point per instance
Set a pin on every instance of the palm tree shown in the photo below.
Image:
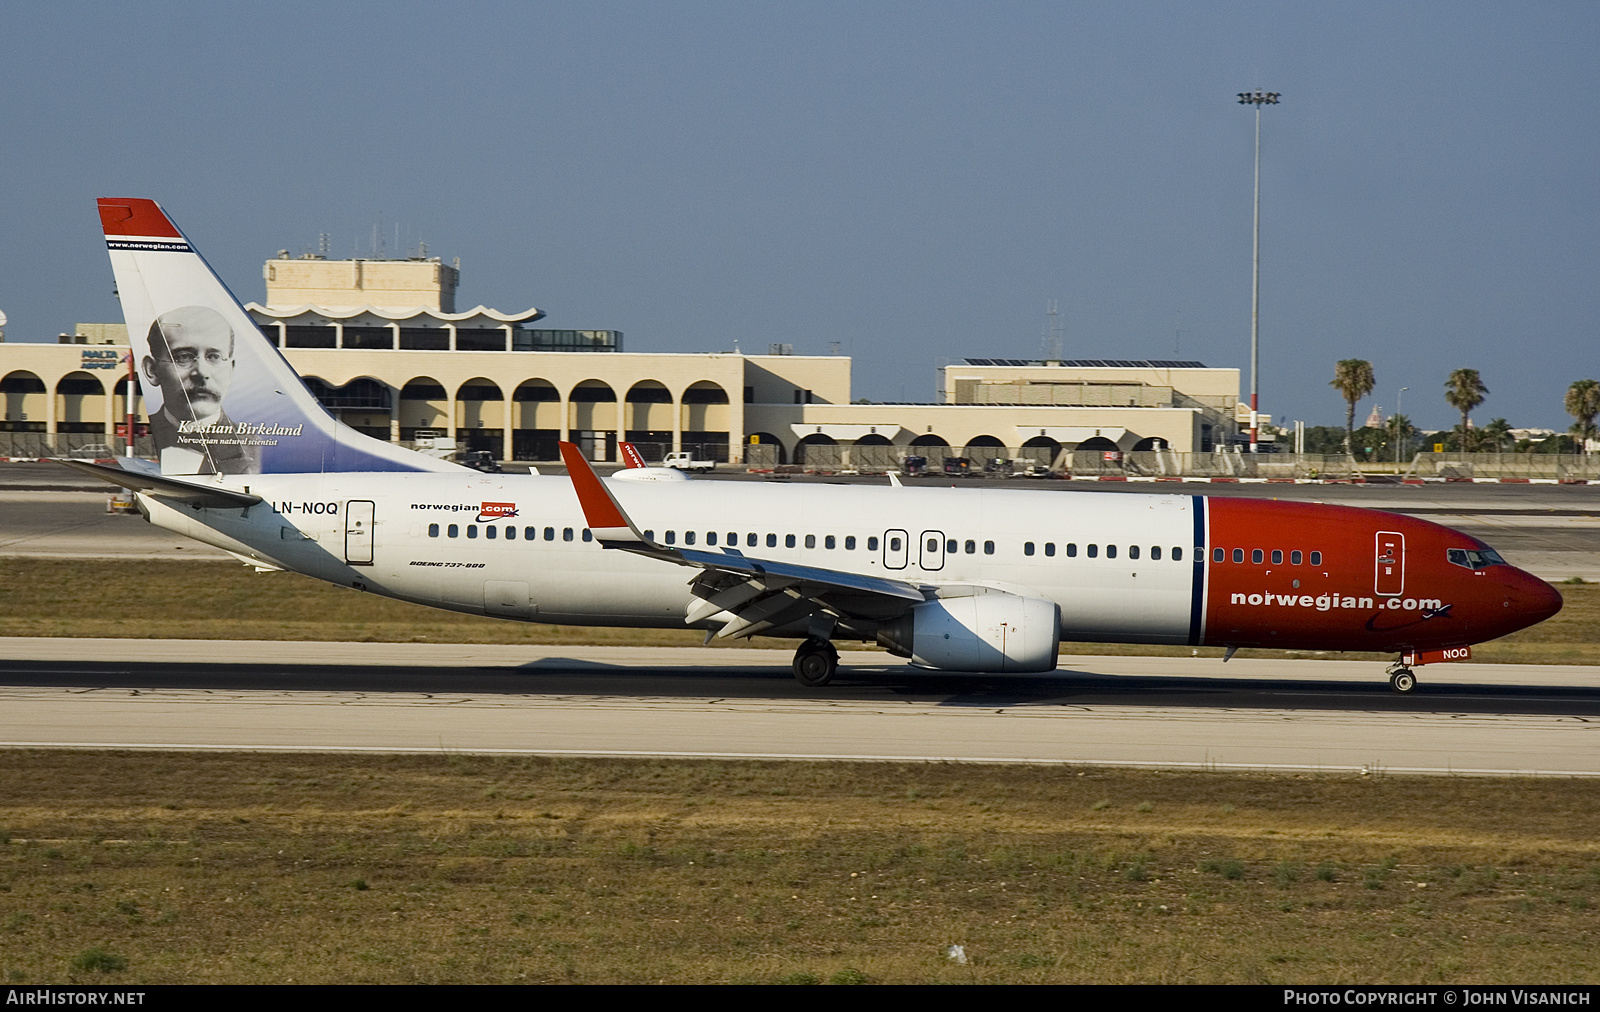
(1583, 403)
(1352, 377)
(1464, 390)
(1400, 430)
(1497, 433)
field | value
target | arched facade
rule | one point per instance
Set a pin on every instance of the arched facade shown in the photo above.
(537, 410)
(704, 414)
(481, 416)
(593, 419)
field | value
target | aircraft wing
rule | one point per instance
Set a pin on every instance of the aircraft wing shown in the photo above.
(192, 493)
(758, 594)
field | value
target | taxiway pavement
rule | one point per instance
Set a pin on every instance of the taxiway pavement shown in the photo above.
(1142, 711)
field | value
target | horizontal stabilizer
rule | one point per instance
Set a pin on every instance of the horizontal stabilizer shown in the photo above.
(190, 492)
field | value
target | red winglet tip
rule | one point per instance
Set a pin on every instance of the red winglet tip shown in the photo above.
(598, 510)
(135, 216)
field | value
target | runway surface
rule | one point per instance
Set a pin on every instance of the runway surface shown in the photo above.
(1143, 711)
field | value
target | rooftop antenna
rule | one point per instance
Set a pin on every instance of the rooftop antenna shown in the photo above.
(1177, 317)
(324, 242)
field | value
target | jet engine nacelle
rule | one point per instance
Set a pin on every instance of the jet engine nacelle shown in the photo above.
(985, 632)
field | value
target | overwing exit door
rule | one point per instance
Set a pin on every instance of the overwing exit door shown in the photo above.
(1390, 567)
(896, 549)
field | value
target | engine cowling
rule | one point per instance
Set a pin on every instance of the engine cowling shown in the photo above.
(985, 632)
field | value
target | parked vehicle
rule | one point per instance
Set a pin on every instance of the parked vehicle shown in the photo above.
(914, 465)
(958, 465)
(481, 460)
(685, 461)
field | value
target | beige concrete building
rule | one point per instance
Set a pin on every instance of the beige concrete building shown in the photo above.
(411, 368)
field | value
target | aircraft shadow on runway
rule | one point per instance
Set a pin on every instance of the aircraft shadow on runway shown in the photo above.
(567, 677)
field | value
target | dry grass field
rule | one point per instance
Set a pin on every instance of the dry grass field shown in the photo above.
(46, 597)
(125, 868)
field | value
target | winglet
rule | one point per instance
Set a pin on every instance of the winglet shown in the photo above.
(600, 508)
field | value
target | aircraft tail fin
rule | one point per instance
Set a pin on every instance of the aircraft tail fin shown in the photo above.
(220, 396)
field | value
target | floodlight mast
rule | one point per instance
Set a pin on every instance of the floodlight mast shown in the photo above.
(1257, 98)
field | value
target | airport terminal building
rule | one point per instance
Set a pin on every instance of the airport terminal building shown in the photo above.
(382, 346)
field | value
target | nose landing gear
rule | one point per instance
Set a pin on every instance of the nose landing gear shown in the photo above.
(815, 663)
(1401, 679)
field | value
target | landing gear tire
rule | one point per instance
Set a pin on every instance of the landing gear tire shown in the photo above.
(815, 663)
(1402, 681)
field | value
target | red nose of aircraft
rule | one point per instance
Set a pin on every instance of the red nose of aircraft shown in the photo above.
(1529, 598)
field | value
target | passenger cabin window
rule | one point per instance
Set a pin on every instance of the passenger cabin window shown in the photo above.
(1238, 555)
(1255, 556)
(829, 543)
(488, 532)
(566, 534)
(788, 541)
(672, 537)
(872, 544)
(511, 534)
(772, 541)
(1177, 554)
(894, 544)
(1295, 558)
(1155, 553)
(850, 542)
(1277, 557)
(951, 546)
(988, 548)
(733, 539)
(688, 537)
(472, 531)
(1133, 551)
(1072, 550)
(433, 530)
(750, 541)
(1111, 551)
(1027, 547)
(588, 535)
(811, 541)
(549, 533)
(1219, 555)
(1092, 551)
(711, 538)
(1316, 558)
(972, 548)
(453, 530)
(1050, 549)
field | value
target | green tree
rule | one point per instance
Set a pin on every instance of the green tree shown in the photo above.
(1464, 390)
(1497, 434)
(1401, 433)
(1352, 377)
(1583, 403)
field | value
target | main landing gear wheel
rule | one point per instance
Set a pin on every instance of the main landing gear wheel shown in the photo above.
(815, 663)
(1402, 680)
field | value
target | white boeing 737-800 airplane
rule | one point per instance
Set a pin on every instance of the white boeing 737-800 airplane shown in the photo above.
(983, 580)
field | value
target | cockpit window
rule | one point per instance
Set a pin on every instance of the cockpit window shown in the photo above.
(1468, 558)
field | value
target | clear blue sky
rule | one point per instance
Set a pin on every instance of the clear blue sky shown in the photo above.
(912, 180)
